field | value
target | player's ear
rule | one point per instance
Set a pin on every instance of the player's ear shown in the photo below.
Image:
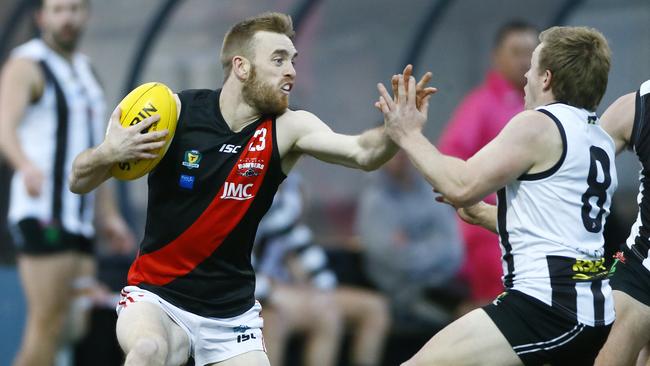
(546, 81)
(241, 66)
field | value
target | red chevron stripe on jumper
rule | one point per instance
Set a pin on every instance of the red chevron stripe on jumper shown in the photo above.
(208, 232)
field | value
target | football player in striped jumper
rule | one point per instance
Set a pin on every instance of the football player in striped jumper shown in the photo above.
(627, 120)
(553, 168)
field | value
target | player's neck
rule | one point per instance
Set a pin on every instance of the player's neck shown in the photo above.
(235, 111)
(56, 48)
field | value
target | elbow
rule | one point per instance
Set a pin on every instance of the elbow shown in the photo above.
(75, 185)
(462, 197)
(369, 163)
(369, 166)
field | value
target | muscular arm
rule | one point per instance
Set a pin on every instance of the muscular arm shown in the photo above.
(515, 151)
(618, 120)
(366, 151)
(529, 143)
(92, 167)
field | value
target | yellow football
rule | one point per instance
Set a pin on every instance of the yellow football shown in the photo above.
(144, 101)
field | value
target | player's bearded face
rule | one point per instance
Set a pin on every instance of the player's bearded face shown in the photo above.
(265, 97)
(62, 22)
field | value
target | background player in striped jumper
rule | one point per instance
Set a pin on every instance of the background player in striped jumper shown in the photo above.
(627, 121)
(553, 167)
(51, 109)
(191, 288)
(301, 292)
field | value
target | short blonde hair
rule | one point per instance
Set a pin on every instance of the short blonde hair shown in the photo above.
(238, 41)
(579, 59)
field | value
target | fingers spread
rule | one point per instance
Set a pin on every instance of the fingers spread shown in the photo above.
(401, 89)
(411, 90)
(408, 71)
(425, 79)
(386, 98)
(383, 106)
(393, 82)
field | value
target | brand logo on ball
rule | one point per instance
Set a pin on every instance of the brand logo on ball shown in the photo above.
(147, 111)
(192, 159)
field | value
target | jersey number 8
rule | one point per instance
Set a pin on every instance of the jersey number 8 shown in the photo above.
(596, 189)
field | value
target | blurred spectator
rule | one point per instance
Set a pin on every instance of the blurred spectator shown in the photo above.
(476, 121)
(412, 245)
(52, 108)
(301, 294)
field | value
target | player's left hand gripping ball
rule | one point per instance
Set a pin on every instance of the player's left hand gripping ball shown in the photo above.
(142, 102)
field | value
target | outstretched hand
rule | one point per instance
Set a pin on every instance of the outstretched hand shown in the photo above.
(421, 89)
(133, 142)
(402, 116)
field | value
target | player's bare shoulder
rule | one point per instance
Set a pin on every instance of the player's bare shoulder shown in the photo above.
(25, 71)
(533, 125)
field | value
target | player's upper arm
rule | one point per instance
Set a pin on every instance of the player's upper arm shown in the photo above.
(313, 137)
(618, 120)
(21, 83)
(529, 143)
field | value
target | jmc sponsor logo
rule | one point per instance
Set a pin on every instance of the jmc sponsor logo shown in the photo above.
(236, 191)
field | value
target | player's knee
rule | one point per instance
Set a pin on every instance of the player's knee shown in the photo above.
(149, 350)
(48, 326)
(328, 319)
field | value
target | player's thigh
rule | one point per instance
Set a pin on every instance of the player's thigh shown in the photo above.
(473, 339)
(357, 303)
(302, 308)
(632, 316)
(141, 320)
(86, 266)
(252, 358)
(47, 280)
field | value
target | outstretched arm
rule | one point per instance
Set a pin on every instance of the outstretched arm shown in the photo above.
(529, 143)
(92, 167)
(366, 151)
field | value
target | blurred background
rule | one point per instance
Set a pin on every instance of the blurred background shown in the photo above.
(345, 48)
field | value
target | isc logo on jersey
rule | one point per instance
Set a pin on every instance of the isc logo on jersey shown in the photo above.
(236, 191)
(228, 148)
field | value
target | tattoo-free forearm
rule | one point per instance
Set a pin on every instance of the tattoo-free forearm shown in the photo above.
(90, 169)
(445, 173)
(376, 148)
